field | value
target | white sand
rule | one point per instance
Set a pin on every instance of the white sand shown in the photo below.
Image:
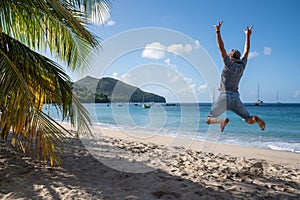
(132, 165)
(273, 156)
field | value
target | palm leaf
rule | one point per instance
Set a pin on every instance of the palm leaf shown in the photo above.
(55, 25)
(39, 81)
(29, 80)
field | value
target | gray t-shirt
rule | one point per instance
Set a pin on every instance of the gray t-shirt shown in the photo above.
(232, 74)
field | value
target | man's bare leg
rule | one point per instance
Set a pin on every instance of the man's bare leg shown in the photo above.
(260, 122)
(222, 122)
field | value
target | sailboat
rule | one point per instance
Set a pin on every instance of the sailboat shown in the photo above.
(277, 98)
(144, 105)
(258, 102)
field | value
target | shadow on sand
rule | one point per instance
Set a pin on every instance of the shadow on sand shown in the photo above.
(81, 176)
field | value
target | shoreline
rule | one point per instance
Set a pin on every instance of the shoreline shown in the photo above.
(186, 135)
(291, 159)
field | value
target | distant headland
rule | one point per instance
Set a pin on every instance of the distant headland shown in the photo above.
(107, 90)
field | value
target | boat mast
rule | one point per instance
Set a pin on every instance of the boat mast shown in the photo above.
(258, 92)
(277, 97)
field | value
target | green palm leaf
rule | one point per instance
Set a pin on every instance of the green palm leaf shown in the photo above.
(25, 77)
(55, 25)
(29, 80)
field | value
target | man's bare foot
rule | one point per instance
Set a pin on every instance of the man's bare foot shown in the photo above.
(260, 122)
(223, 124)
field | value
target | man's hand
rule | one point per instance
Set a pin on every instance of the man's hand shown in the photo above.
(248, 31)
(218, 27)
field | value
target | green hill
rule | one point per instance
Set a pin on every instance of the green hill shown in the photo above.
(107, 90)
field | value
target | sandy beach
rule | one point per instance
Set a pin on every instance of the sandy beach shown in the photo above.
(131, 165)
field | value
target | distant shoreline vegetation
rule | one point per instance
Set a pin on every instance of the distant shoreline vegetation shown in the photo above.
(109, 90)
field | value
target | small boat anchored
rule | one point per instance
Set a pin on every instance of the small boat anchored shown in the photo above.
(145, 106)
(259, 102)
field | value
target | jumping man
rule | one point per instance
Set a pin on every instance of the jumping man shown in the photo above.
(229, 98)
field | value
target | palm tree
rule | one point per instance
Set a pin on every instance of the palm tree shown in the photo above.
(28, 80)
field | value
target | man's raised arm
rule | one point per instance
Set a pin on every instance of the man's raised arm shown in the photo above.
(220, 41)
(248, 32)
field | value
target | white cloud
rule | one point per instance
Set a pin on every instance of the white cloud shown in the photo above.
(156, 50)
(115, 75)
(267, 51)
(179, 49)
(197, 44)
(202, 88)
(167, 61)
(110, 23)
(253, 54)
(188, 80)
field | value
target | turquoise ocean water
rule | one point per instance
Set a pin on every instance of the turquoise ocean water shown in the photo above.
(188, 120)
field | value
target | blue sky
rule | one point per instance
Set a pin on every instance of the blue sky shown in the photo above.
(273, 61)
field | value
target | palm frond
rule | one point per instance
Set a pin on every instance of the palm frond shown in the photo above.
(29, 80)
(59, 27)
(96, 11)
